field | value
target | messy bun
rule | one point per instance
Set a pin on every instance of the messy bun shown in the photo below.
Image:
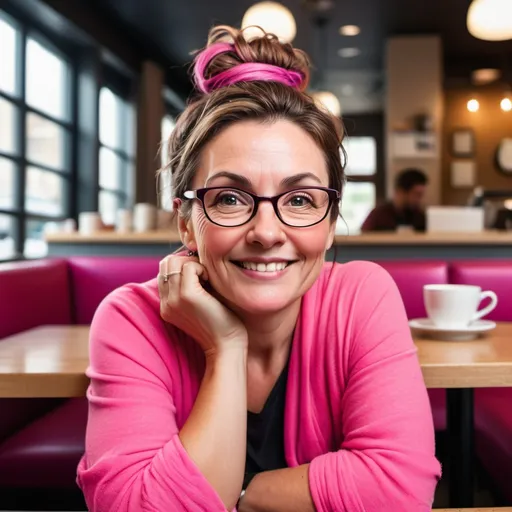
(239, 80)
(229, 58)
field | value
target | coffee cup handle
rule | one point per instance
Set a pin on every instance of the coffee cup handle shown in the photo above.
(494, 302)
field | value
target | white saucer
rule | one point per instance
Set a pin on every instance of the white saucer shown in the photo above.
(426, 326)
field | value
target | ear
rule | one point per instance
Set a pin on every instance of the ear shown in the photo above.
(185, 228)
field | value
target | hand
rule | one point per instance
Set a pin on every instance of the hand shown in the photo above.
(185, 303)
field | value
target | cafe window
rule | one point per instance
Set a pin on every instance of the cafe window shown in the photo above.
(116, 154)
(359, 194)
(165, 182)
(36, 128)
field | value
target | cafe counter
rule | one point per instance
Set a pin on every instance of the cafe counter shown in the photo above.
(367, 246)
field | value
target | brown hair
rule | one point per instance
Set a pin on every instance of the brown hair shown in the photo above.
(264, 101)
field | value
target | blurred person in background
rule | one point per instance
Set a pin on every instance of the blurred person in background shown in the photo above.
(406, 209)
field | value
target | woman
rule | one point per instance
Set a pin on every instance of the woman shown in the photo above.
(250, 373)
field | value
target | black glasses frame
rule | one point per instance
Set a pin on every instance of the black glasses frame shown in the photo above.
(199, 194)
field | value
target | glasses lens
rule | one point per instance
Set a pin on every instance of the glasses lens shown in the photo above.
(228, 207)
(304, 207)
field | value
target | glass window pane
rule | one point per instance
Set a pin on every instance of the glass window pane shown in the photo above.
(165, 190)
(109, 204)
(7, 57)
(357, 202)
(361, 156)
(168, 125)
(7, 184)
(110, 169)
(110, 119)
(44, 193)
(8, 125)
(7, 245)
(35, 245)
(45, 142)
(47, 79)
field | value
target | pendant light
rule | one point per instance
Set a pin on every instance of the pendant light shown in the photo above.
(490, 20)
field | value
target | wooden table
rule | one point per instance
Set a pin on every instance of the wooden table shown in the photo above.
(47, 361)
(459, 367)
(51, 361)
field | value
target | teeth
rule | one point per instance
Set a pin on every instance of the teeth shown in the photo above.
(262, 267)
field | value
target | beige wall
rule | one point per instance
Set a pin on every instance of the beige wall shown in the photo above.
(490, 124)
(414, 73)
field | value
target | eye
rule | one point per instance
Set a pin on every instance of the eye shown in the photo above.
(227, 199)
(230, 198)
(299, 199)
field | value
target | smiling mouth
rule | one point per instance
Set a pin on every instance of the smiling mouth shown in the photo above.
(276, 266)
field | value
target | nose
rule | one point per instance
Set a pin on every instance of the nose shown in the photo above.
(266, 229)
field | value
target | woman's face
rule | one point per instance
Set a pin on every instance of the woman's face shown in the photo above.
(262, 159)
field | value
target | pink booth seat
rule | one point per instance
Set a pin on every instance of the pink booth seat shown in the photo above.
(93, 278)
(45, 453)
(410, 277)
(493, 406)
(33, 293)
(25, 292)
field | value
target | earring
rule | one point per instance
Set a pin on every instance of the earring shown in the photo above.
(192, 253)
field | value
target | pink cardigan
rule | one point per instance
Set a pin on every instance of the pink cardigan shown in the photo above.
(356, 404)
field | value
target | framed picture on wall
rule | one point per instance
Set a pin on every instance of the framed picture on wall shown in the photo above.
(463, 142)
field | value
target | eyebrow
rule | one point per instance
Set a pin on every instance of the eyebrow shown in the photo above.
(243, 181)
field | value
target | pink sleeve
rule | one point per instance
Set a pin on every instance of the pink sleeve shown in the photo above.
(134, 459)
(386, 460)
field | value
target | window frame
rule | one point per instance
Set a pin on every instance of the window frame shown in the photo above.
(19, 214)
(372, 126)
(121, 87)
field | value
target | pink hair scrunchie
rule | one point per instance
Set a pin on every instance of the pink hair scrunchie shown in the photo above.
(245, 72)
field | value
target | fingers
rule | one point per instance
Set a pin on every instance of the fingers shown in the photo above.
(170, 276)
(192, 272)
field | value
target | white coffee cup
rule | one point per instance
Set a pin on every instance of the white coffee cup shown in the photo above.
(124, 221)
(144, 217)
(89, 223)
(69, 226)
(455, 306)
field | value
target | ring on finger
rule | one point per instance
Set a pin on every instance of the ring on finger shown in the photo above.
(173, 273)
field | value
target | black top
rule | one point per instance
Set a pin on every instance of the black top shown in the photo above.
(265, 433)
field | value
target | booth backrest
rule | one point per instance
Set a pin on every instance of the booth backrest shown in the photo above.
(93, 278)
(411, 276)
(495, 275)
(33, 293)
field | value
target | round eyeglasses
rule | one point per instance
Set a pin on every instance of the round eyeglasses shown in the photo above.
(231, 207)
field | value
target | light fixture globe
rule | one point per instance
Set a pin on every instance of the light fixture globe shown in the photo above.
(327, 100)
(490, 20)
(272, 17)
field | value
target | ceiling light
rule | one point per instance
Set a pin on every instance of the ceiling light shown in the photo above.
(473, 105)
(506, 105)
(485, 76)
(349, 30)
(348, 53)
(490, 20)
(271, 17)
(329, 101)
